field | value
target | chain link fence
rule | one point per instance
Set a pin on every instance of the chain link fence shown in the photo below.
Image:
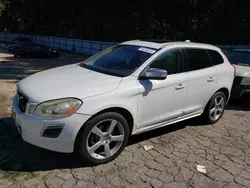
(85, 47)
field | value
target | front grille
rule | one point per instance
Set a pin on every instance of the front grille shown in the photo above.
(22, 101)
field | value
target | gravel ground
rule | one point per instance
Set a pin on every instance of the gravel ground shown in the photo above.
(223, 148)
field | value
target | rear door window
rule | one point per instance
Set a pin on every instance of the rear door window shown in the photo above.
(196, 59)
(215, 57)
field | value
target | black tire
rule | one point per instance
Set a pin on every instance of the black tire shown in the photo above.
(22, 54)
(206, 117)
(81, 142)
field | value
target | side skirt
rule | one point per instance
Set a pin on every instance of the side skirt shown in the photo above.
(163, 124)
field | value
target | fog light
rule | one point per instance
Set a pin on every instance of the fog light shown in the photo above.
(52, 131)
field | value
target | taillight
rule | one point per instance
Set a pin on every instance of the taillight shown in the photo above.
(229, 62)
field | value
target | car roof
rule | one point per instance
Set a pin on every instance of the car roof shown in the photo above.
(159, 44)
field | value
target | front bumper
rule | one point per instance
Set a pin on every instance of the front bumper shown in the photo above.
(55, 54)
(239, 90)
(31, 129)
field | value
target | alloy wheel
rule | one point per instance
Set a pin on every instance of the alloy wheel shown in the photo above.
(217, 107)
(105, 139)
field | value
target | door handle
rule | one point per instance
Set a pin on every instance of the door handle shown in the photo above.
(179, 86)
(210, 79)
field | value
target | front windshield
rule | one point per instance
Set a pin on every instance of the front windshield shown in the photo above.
(239, 58)
(121, 60)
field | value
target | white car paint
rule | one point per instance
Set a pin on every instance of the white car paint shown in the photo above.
(67, 81)
(159, 96)
(152, 104)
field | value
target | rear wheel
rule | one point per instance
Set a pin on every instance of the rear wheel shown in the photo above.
(103, 138)
(215, 108)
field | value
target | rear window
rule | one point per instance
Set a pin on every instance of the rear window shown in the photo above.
(196, 59)
(215, 57)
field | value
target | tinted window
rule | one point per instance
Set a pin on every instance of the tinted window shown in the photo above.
(169, 61)
(196, 59)
(215, 57)
(121, 60)
(239, 58)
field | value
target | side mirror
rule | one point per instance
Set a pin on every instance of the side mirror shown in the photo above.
(154, 74)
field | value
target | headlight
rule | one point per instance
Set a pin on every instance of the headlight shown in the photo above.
(31, 107)
(245, 81)
(57, 108)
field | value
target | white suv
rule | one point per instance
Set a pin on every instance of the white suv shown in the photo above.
(93, 107)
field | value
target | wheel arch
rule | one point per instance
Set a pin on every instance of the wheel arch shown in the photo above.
(124, 112)
(225, 91)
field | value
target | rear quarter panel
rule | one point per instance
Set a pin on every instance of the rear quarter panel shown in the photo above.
(225, 74)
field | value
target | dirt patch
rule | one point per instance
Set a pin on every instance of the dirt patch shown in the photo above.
(7, 91)
(14, 69)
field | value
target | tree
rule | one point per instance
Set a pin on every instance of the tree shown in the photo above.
(2, 7)
(213, 21)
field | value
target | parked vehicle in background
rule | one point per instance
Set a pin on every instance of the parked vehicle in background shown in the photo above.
(15, 46)
(240, 58)
(93, 107)
(21, 39)
(26, 49)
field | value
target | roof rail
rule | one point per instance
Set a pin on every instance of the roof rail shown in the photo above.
(157, 40)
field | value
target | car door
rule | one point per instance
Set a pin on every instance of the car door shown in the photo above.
(162, 100)
(202, 80)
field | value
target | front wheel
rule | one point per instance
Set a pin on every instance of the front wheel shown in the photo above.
(215, 108)
(103, 138)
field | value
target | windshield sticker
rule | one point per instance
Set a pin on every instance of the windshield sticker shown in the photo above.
(147, 50)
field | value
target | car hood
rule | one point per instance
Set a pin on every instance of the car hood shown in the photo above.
(242, 71)
(66, 81)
